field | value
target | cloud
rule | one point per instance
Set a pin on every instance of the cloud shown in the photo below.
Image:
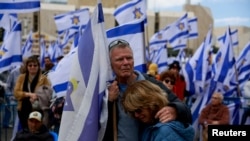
(232, 21)
(163, 4)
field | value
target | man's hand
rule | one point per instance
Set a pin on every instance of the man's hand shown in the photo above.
(113, 91)
(166, 114)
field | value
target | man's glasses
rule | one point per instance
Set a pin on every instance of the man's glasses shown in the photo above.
(169, 81)
(118, 42)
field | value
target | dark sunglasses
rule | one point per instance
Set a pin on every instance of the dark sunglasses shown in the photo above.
(32, 65)
(138, 111)
(118, 42)
(171, 81)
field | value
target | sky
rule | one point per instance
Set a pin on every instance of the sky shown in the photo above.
(225, 12)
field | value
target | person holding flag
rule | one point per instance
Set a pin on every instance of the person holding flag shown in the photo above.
(121, 126)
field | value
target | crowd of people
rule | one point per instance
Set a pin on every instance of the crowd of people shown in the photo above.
(141, 106)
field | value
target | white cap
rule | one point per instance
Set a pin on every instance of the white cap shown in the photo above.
(35, 115)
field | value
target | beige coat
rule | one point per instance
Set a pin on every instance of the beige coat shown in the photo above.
(18, 90)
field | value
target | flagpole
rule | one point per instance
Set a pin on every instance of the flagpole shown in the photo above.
(39, 27)
(114, 121)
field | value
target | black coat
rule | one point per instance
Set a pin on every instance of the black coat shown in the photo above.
(26, 135)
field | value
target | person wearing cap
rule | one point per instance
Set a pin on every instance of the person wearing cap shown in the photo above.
(120, 126)
(180, 85)
(36, 130)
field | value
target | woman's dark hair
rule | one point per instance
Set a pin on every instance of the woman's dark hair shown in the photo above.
(168, 74)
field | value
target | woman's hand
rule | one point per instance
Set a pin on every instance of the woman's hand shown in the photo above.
(32, 96)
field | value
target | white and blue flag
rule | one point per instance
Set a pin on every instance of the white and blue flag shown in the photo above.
(161, 59)
(134, 34)
(19, 6)
(234, 38)
(177, 33)
(10, 51)
(131, 11)
(223, 67)
(72, 20)
(192, 28)
(86, 100)
(243, 66)
(27, 47)
(59, 76)
(156, 42)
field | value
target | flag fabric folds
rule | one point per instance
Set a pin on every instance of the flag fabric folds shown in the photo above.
(86, 100)
(130, 11)
(156, 42)
(234, 38)
(177, 33)
(19, 6)
(59, 76)
(27, 47)
(10, 51)
(134, 34)
(243, 66)
(72, 20)
(192, 28)
(161, 59)
(224, 63)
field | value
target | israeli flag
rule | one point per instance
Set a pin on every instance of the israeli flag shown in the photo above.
(192, 28)
(161, 59)
(224, 63)
(19, 6)
(156, 42)
(8, 21)
(130, 11)
(86, 100)
(72, 20)
(27, 48)
(10, 51)
(234, 38)
(243, 66)
(178, 33)
(203, 60)
(59, 76)
(134, 34)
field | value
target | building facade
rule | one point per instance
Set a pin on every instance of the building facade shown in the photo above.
(44, 20)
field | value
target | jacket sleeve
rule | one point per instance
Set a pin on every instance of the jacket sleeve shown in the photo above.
(225, 119)
(203, 115)
(18, 90)
(183, 112)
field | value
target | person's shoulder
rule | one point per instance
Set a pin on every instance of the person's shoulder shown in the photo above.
(22, 76)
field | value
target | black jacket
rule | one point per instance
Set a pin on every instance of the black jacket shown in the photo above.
(26, 135)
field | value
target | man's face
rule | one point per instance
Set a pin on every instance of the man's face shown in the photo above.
(122, 61)
(215, 100)
(47, 61)
(34, 125)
